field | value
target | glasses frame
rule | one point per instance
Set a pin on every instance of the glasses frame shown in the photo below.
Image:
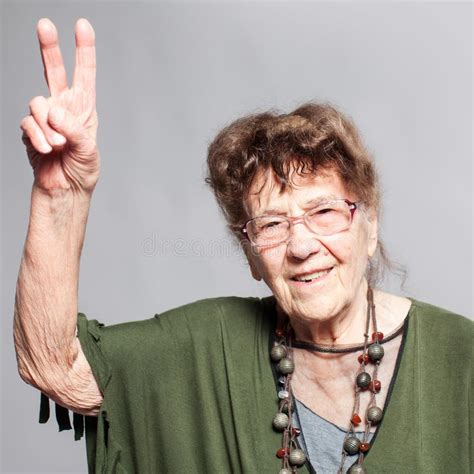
(303, 218)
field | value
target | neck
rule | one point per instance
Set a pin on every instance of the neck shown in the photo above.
(345, 327)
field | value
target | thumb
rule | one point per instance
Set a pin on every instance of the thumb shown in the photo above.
(66, 124)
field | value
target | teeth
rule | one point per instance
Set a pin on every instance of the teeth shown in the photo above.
(313, 276)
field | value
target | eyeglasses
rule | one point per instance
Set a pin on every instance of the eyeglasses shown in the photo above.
(328, 218)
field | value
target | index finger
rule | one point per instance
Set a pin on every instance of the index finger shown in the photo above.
(85, 69)
(54, 70)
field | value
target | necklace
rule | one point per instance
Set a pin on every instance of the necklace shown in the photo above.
(291, 455)
(312, 347)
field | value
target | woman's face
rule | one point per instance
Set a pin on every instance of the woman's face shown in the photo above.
(342, 258)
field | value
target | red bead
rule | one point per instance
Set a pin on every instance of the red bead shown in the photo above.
(281, 452)
(356, 419)
(379, 334)
(364, 447)
(280, 332)
(363, 357)
(375, 385)
(295, 431)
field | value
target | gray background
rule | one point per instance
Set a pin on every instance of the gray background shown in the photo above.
(170, 76)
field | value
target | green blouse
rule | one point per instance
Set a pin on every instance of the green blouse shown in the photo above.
(192, 391)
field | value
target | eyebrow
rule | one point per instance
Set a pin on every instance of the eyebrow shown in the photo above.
(274, 211)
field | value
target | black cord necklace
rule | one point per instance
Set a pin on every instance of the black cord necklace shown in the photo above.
(311, 346)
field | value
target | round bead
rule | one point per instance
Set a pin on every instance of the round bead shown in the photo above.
(374, 414)
(280, 421)
(364, 447)
(277, 353)
(376, 352)
(363, 358)
(297, 457)
(283, 394)
(378, 335)
(351, 445)
(286, 366)
(357, 469)
(363, 380)
(375, 386)
(282, 452)
(284, 471)
(356, 419)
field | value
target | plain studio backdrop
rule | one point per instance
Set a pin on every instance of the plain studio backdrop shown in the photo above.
(170, 75)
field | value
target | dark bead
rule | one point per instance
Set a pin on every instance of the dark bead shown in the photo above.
(356, 419)
(375, 386)
(378, 335)
(351, 445)
(280, 421)
(376, 352)
(286, 366)
(277, 353)
(285, 407)
(357, 469)
(364, 447)
(374, 414)
(363, 380)
(282, 452)
(363, 358)
(297, 457)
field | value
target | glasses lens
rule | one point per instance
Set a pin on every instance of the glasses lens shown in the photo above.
(329, 218)
(268, 230)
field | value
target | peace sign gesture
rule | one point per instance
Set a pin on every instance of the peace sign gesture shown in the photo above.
(60, 132)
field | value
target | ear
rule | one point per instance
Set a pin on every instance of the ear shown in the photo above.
(373, 231)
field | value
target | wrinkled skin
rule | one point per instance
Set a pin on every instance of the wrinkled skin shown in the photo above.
(60, 132)
(332, 309)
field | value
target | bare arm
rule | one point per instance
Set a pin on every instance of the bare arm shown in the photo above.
(48, 353)
(66, 171)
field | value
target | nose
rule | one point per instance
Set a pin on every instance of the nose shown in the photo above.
(303, 243)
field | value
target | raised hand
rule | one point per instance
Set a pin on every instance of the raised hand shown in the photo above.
(60, 132)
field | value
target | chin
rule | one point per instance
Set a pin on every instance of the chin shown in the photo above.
(316, 308)
(320, 314)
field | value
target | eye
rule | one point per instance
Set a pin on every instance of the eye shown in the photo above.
(268, 225)
(325, 210)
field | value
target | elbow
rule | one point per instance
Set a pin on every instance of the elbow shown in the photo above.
(27, 377)
(45, 382)
(45, 368)
(26, 368)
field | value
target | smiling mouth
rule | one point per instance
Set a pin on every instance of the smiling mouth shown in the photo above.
(312, 276)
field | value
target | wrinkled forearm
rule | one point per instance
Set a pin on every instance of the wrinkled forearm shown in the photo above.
(46, 297)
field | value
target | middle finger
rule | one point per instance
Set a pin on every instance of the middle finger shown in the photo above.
(54, 70)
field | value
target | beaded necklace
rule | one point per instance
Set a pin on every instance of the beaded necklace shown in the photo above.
(291, 455)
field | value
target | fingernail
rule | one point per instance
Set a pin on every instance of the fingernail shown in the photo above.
(46, 148)
(58, 139)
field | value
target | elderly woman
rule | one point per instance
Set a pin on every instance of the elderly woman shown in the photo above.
(327, 375)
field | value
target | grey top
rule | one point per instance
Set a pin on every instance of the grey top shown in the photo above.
(322, 440)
